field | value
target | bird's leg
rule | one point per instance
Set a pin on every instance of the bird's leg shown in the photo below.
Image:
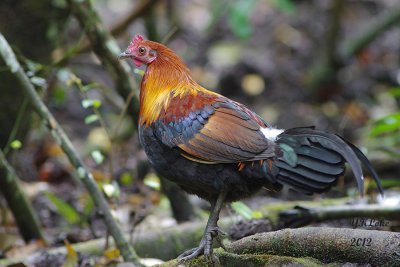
(211, 231)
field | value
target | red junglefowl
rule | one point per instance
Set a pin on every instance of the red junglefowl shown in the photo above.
(221, 151)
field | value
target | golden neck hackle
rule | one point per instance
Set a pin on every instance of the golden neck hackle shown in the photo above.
(165, 78)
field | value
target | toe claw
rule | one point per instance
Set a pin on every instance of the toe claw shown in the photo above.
(191, 253)
(205, 247)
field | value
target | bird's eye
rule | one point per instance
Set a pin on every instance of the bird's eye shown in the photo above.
(142, 50)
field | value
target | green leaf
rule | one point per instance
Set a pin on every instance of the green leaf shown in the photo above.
(239, 18)
(111, 189)
(59, 95)
(285, 6)
(89, 87)
(97, 156)
(91, 118)
(242, 209)
(68, 212)
(256, 214)
(126, 178)
(38, 81)
(16, 144)
(74, 80)
(94, 103)
(387, 124)
(395, 91)
(152, 181)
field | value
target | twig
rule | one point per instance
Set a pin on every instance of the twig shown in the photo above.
(59, 135)
(25, 217)
(17, 124)
(141, 8)
(119, 27)
(378, 248)
(121, 116)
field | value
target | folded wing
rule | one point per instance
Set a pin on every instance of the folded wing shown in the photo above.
(221, 131)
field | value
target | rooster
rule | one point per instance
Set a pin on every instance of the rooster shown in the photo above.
(221, 151)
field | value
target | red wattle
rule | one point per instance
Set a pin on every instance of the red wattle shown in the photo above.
(137, 62)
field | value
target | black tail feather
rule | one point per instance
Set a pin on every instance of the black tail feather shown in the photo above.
(367, 165)
(313, 160)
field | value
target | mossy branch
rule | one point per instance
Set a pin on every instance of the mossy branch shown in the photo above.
(59, 135)
(168, 243)
(378, 248)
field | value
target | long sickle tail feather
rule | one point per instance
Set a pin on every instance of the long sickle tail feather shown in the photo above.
(313, 160)
(367, 165)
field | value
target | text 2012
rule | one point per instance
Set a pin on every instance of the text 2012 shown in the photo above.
(361, 242)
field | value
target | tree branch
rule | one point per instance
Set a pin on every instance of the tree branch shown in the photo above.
(168, 243)
(300, 216)
(378, 248)
(119, 27)
(25, 217)
(139, 10)
(59, 135)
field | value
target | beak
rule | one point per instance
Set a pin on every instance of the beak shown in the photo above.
(125, 55)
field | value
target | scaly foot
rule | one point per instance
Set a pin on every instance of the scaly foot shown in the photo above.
(205, 246)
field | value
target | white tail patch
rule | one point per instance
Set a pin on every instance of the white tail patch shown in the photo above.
(271, 133)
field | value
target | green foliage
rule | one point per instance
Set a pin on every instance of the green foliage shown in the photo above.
(240, 11)
(387, 129)
(97, 156)
(69, 213)
(59, 95)
(111, 190)
(286, 6)
(91, 118)
(152, 181)
(91, 103)
(126, 178)
(16, 144)
(395, 91)
(389, 124)
(38, 81)
(243, 210)
(239, 18)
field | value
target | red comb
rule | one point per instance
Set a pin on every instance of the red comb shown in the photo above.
(137, 39)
